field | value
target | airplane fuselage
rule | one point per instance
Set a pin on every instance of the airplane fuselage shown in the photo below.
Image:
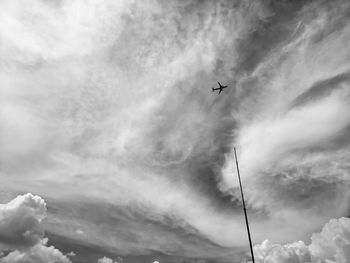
(220, 88)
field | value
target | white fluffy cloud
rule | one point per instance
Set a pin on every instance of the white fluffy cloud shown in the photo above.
(39, 253)
(20, 221)
(21, 232)
(331, 245)
(105, 260)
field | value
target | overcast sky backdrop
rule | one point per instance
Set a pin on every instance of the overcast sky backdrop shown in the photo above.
(107, 117)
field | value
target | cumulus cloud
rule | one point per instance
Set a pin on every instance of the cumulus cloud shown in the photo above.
(20, 221)
(39, 253)
(331, 245)
(333, 242)
(105, 260)
(22, 233)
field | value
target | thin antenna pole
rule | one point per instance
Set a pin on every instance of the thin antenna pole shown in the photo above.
(244, 208)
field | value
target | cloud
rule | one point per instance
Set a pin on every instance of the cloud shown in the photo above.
(293, 123)
(113, 105)
(22, 234)
(39, 253)
(20, 221)
(331, 245)
(107, 104)
(295, 252)
(104, 260)
(267, 141)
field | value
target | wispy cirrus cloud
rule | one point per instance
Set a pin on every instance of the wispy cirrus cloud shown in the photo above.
(294, 120)
(106, 112)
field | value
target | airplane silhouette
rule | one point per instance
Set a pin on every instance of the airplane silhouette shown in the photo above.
(220, 88)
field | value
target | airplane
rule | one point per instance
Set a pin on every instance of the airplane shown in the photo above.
(220, 88)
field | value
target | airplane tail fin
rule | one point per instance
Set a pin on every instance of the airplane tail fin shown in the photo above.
(212, 89)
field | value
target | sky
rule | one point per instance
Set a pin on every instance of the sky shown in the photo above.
(113, 147)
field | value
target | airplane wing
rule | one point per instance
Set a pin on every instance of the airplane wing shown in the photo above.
(220, 91)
